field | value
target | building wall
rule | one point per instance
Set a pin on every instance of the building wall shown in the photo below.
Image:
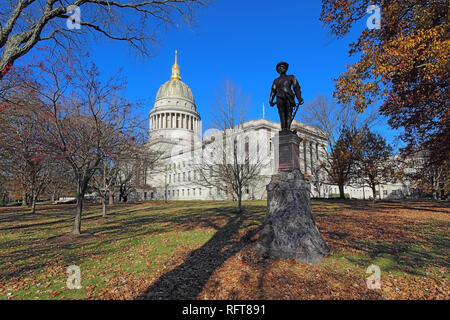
(178, 177)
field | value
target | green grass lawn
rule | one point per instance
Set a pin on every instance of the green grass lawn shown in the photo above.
(188, 250)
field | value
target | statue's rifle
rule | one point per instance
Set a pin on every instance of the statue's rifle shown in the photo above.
(296, 109)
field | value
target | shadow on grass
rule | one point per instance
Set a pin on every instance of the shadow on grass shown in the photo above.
(411, 257)
(187, 280)
(404, 258)
(30, 254)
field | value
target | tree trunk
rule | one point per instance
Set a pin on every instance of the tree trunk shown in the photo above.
(33, 205)
(77, 224)
(341, 191)
(24, 198)
(374, 192)
(229, 193)
(111, 198)
(103, 207)
(364, 193)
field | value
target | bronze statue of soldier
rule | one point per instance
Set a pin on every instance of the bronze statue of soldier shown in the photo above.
(285, 97)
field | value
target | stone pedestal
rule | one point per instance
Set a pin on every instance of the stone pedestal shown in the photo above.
(289, 229)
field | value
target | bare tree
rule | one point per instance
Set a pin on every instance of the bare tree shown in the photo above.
(227, 162)
(102, 183)
(133, 168)
(61, 181)
(68, 23)
(84, 119)
(427, 176)
(343, 128)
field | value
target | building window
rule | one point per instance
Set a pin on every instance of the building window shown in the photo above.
(183, 192)
(184, 176)
(199, 191)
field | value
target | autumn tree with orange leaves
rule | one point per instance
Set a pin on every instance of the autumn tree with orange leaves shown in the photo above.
(344, 129)
(404, 65)
(373, 160)
(23, 155)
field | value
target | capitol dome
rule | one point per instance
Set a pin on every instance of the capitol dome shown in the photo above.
(175, 88)
(174, 115)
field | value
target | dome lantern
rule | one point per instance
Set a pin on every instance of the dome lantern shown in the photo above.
(175, 69)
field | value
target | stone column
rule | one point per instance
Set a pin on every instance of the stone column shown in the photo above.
(305, 156)
(317, 152)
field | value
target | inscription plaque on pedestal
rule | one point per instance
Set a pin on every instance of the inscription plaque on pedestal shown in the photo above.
(287, 153)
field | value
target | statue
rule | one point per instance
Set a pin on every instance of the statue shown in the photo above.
(289, 229)
(281, 89)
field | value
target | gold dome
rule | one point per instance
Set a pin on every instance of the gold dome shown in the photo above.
(175, 88)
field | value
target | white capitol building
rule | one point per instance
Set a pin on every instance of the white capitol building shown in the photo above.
(176, 130)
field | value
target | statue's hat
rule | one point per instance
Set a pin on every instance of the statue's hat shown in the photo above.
(282, 63)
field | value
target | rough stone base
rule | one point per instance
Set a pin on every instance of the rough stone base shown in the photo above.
(289, 229)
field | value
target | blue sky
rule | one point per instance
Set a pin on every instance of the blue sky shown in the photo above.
(241, 41)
